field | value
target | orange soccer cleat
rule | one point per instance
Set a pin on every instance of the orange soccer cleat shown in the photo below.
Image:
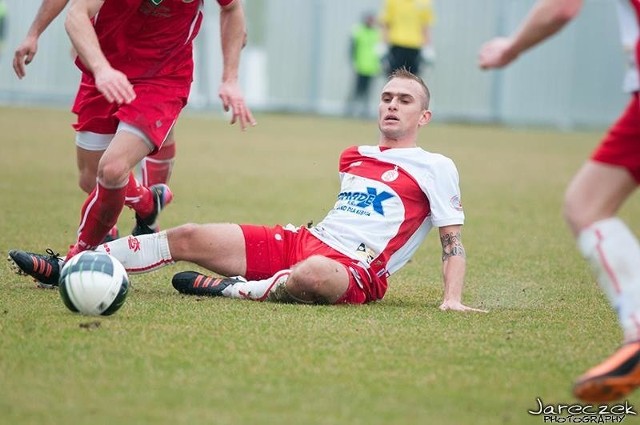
(612, 379)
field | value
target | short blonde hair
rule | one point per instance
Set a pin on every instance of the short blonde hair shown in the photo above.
(408, 75)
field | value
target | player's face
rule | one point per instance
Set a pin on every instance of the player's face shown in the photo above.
(401, 111)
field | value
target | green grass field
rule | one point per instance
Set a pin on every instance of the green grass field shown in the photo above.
(170, 359)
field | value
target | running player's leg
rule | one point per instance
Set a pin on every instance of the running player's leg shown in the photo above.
(157, 127)
(592, 202)
(88, 156)
(102, 207)
(156, 168)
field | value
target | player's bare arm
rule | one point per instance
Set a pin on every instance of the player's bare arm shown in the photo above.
(233, 37)
(82, 34)
(545, 19)
(26, 51)
(113, 84)
(452, 245)
(453, 269)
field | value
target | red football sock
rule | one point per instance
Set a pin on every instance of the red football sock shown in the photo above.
(99, 214)
(157, 168)
(138, 197)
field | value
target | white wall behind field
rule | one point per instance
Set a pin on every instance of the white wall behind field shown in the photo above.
(297, 60)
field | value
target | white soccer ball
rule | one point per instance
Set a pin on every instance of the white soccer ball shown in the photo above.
(93, 283)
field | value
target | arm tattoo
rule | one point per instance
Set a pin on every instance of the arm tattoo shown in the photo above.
(452, 246)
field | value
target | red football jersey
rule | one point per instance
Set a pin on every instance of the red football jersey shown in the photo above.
(150, 38)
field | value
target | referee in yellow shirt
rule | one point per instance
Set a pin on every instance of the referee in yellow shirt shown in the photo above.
(407, 29)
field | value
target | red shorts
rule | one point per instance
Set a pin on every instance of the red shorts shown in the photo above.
(154, 110)
(271, 249)
(621, 145)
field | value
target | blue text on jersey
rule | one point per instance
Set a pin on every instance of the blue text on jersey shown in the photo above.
(364, 200)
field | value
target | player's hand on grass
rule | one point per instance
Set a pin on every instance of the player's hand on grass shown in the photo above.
(458, 306)
(232, 99)
(496, 53)
(24, 55)
(114, 86)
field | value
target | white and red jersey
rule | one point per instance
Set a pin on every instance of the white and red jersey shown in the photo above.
(629, 18)
(389, 200)
(150, 38)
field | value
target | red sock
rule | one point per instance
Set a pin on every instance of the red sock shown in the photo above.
(157, 168)
(99, 214)
(138, 197)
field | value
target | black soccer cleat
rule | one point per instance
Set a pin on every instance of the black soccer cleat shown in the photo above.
(194, 283)
(44, 269)
(162, 196)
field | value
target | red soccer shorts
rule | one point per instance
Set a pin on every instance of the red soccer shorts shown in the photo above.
(154, 110)
(271, 249)
(621, 145)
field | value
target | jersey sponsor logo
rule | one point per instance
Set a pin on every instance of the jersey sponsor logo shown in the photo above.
(390, 175)
(364, 200)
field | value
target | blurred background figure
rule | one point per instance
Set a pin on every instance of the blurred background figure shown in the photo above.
(364, 55)
(407, 32)
(3, 24)
(519, 96)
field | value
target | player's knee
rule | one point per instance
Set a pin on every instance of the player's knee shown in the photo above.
(184, 233)
(310, 275)
(113, 173)
(180, 239)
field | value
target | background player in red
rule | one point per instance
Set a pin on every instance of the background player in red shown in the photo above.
(391, 196)
(154, 169)
(137, 64)
(597, 192)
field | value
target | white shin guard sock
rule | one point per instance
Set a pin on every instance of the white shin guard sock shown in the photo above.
(260, 290)
(140, 254)
(614, 254)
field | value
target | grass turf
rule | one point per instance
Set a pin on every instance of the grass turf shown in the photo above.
(170, 359)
